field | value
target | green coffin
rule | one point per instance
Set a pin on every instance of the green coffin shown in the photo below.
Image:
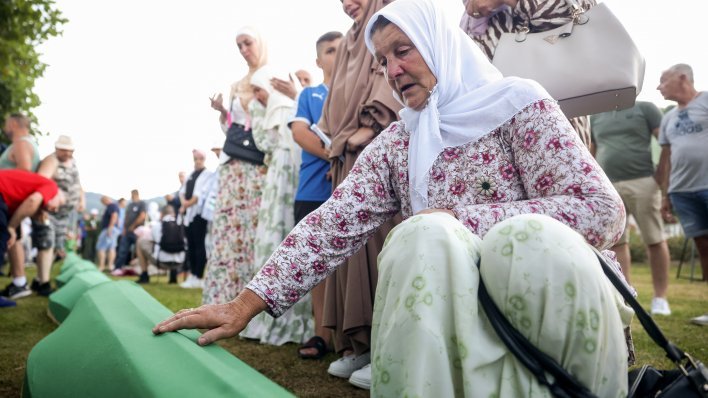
(67, 273)
(63, 300)
(105, 348)
(69, 261)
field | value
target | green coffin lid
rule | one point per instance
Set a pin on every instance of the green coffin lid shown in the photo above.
(63, 300)
(105, 348)
(66, 274)
(70, 260)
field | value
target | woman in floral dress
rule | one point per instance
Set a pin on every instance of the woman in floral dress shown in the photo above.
(483, 169)
(275, 217)
(230, 263)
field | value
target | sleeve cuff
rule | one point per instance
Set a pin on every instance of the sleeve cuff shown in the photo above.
(273, 309)
(299, 119)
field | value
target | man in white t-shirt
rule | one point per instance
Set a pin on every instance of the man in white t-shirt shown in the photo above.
(683, 136)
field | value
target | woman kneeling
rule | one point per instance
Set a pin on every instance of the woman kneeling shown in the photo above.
(475, 155)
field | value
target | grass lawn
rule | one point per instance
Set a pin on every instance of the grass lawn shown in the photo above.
(22, 327)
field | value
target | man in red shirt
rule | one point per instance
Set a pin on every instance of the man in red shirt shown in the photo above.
(22, 194)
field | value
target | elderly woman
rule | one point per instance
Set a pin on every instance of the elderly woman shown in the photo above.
(482, 168)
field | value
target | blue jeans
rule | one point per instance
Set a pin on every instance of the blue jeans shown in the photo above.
(124, 252)
(692, 210)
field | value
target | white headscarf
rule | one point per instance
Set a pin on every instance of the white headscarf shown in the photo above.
(471, 98)
(276, 100)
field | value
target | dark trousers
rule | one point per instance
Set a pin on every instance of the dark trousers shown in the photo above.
(196, 251)
(124, 249)
(303, 208)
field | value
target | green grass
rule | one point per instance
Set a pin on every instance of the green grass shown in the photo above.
(22, 327)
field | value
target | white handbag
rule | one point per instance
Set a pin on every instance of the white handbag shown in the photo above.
(589, 65)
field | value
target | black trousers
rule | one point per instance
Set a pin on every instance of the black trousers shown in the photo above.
(196, 250)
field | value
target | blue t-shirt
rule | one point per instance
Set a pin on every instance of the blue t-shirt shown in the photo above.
(313, 186)
(106, 220)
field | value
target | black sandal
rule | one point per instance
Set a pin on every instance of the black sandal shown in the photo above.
(316, 342)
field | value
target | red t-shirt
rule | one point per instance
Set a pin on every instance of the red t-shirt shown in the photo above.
(17, 185)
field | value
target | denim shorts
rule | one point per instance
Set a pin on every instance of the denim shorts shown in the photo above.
(106, 242)
(692, 210)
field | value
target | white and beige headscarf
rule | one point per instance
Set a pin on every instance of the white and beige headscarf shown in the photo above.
(471, 98)
(276, 100)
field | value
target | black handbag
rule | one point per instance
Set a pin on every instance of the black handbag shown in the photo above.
(239, 145)
(690, 379)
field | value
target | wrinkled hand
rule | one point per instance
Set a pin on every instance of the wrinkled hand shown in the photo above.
(13, 237)
(667, 211)
(221, 320)
(287, 87)
(430, 211)
(360, 139)
(217, 102)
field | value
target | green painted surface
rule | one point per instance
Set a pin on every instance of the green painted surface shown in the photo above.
(105, 348)
(67, 273)
(63, 300)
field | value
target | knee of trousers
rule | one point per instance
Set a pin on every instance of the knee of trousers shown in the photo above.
(533, 242)
(426, 233)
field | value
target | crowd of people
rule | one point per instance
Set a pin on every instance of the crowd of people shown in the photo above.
(358, 215)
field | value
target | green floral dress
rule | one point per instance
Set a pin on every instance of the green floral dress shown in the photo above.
(275, 220)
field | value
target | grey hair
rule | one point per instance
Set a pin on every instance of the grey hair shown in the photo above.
(683, 69)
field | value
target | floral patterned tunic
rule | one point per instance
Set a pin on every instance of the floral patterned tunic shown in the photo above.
(534, 163)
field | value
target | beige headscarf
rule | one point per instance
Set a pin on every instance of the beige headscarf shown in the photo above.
(242, 88)
(359, 96)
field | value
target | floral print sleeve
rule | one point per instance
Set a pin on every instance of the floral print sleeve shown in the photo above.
(329, 235)
(559, 176)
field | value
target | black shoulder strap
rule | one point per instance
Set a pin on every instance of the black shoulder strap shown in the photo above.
(672, 352)
(563, 384)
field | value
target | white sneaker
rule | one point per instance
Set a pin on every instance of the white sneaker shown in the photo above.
(192, 282)
(187, 284)
(362, 377)
(659, 306)
(701, 320)
(348, 364)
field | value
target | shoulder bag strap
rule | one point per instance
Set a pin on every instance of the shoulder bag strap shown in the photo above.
(672, 352)
(563, 384)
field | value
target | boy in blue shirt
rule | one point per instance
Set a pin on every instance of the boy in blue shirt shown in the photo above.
(314, 184)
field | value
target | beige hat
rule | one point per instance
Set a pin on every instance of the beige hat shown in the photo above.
(64, 142)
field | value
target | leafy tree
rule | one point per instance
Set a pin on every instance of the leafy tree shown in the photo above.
(24, 24)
